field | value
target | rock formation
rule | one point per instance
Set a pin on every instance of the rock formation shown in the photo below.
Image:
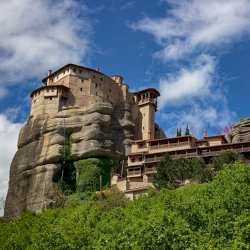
(241, 131)
(96, 130)
(97, 113)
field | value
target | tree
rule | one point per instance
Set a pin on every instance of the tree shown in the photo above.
(228, 131)
(66, 175)
(89, 171)
(174, 173)
(225, 157)
(178, 132)
(187, 132)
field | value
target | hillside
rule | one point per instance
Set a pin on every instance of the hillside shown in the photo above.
(200, 216)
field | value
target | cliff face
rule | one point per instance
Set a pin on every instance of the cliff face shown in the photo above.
(241, 131)
(96, 130)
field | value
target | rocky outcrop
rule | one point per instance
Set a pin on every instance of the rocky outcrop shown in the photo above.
(241, 131)
(97, 130)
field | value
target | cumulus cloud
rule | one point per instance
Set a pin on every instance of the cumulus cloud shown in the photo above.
(191, 32)
(197, 25)
(188, 83)
(8, 137)
(197, 116)
(39, 35)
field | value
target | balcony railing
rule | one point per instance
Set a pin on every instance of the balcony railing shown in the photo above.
(133, 173)
(199, 153)
(151, 170)
(154, 159)
(169, 146)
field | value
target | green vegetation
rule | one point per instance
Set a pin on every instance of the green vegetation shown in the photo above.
(225, 157)
(173, 173)
(65, 178)
(75, 181)
(214, 215)
(178, 132)
(187, 131)
(89, 172)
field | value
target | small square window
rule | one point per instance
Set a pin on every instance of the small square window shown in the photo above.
(133, 160)
(81, 89)
(101, 79)
(50, 98)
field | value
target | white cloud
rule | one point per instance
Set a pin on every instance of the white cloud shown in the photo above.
(189, 83)
(39, 35)
(189, 32)
(197, 25)
(197, 116)
(193, 97)
(8, 137)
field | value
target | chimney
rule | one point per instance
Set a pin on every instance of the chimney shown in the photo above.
(49, 72)
(204, 133)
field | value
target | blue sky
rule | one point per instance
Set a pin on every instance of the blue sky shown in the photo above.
(196, 52)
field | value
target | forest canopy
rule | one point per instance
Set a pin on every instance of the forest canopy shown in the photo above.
(213, 215)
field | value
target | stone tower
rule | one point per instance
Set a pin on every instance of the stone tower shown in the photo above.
(147, 105)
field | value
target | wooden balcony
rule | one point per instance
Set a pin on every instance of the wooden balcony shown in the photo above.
(134, 173)
(150, 170)
(216, 152)
(153, 159)
(193, 152)
(171, 146)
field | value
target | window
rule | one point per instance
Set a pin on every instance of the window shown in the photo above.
(34, 101)
(50, 98)
(80, 71)
(96, 85)
(82, 80)
(93, 76)
(133, 160)
(81, 89)
(96, 93)
(142, 128)
(140, 159)
(101, 79)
